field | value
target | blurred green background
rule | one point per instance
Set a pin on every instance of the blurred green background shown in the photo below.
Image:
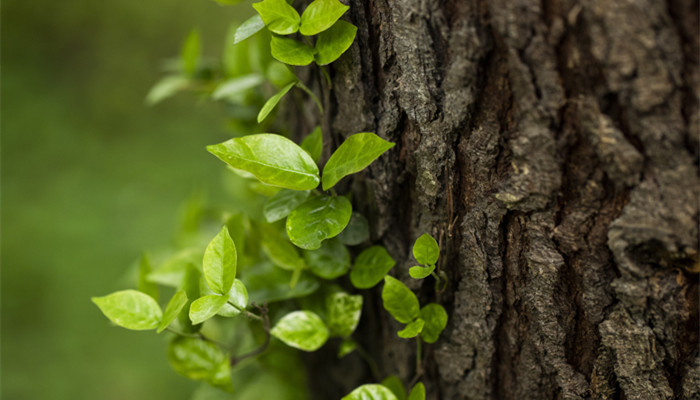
(90, 178)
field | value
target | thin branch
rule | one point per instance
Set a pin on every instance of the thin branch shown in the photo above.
(266, 327)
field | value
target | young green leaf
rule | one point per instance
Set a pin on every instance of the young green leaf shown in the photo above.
(271, 103)
(329, 261)
(191, 53)
(279, 17)
(291, 51)
(370, 392)
(191, 280)
(282, 203)
(200, 360)
(435, 318)
(418, 272)
(412, 330)
(130, 309)
(343, 313)
(206, 307)
(332, 43)
(267, 283)
(317, 219)
(346, 347)
(303, 330)
(145, 285)
(238, 296)
(399, 300)
(279, 74)
(250, 27)
(219, 263)
(357, 230)
(273, 159)
(282, 253)
(173, 308)
(355, 154)
(393, 383)
(165, 88)
(426, 250)
(237, 85)
(321, 15)
(313, 144)
(370, 267)
(418, 392)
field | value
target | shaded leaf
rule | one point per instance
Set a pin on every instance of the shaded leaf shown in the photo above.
(393, 383)
(370, 267)
(200, 360)
(273, 159)
(236, 85)
(279, 74)
(165, 88)
(332, 43)
(321, 15)
(399, 300)
(357, 230)
(346, 347)
(282, 203)
(267, 283)
(354, 154)
(435, 318)
(318, 218)
(144, 284)
(303, 330)
(313, 144)
(130, 309)
(329, 261)
(279, 17)
(280, 251)
(191, 53)
(418, 392)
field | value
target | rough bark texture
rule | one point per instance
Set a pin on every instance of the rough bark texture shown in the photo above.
(552, 147)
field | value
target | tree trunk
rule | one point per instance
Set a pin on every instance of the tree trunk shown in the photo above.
(552, 148)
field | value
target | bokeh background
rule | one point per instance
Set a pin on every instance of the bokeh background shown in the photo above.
(91, 177)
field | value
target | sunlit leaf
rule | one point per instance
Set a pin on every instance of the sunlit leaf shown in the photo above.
(206, 307)
(130, 309)
(343, 313)
(418, 392)
(282, 203)
(321, 15)
(354, 154)
(399, 300)
(175, 305)
(412, 330)
(370, 392)
(238, 295)
(370, 267)
(271, 103)
(281, 252)
(435, 318)
(200, 360)
(426, 250)
(331, 44)
(273, 159)
(418, 272)
(219, 263)
(318, 218)
(346, 347)
(303, 330)
(250, 27)
(291, 51)
(279, 17)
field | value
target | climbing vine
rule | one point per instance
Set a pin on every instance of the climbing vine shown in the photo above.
(276, 272)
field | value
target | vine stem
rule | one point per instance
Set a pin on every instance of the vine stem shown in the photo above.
(419, 363)
(308, 91)
(248, 313)
(266, 327)
(370, 362)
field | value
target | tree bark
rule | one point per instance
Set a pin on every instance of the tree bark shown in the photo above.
(552, 148)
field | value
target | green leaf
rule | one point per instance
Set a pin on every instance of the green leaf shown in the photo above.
(281, 252)
(357, 230)
(370, 267)
(303, 330)
(313, 144)
(145, 285)
(370, 392)
(418, 272)
(418, 392)
(191, 280)
(172, 270)
(206, 307)
(219, 264)
(238, 296)
(175, 305)
(343, 313)
(271, 103)
(279, 17)
(393, 383)
(346, 347)
(318, 218)
(165, 88)
(273, 159)
(329, 261)
(237, 85)
(250, 27)
(279, 74)
(332, 43)
(412, 330)
(267, 283)
(435, 318)
(282, 203)
(130, 309)
(191, 53)
(426, 250)
(355, 154)
(291, 51)
(321, 15)
(200, 360)
(399, 300)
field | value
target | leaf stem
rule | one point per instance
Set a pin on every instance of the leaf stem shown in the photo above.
(266, 327)
(246, 312)
(198, 335)
(327, 76)
(308, 91)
